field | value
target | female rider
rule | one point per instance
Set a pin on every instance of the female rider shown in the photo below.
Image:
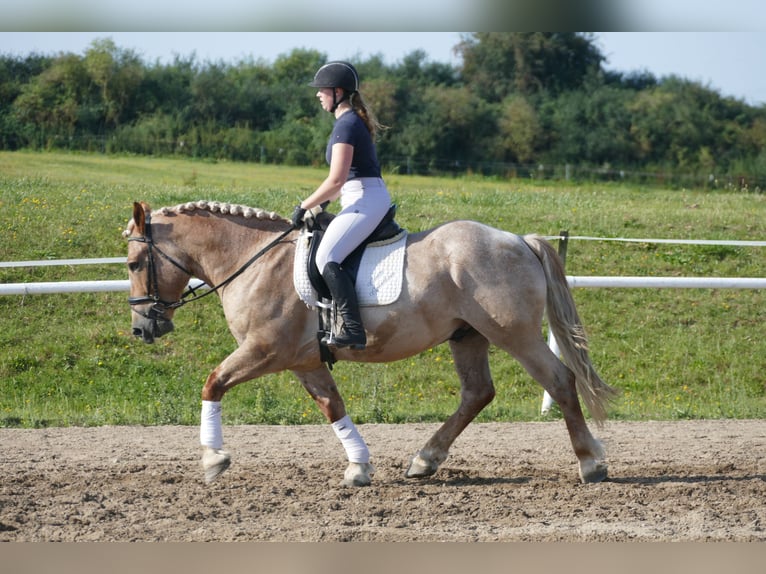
(354, 177)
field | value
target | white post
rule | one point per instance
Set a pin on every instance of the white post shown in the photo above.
(547, 399)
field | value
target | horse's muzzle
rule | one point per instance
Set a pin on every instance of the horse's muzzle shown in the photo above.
(149, 329)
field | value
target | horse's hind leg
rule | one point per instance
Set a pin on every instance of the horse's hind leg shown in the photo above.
(559, 381)
(471, 354)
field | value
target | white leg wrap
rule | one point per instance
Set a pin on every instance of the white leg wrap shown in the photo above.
(211, 429)
(356, 448)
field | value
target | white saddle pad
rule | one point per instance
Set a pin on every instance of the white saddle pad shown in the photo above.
(381, 272)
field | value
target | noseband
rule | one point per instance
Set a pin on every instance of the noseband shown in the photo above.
(159, 307)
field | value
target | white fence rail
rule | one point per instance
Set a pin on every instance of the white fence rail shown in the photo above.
(73, 287)
(575, 281)
(63, 262)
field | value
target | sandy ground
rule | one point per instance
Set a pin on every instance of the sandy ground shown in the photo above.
(669, 481)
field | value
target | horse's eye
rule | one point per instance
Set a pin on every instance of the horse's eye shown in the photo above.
(134, 266)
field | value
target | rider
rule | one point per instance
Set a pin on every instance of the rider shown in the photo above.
(355, 178)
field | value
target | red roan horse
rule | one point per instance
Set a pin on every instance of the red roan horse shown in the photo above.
(464, 283)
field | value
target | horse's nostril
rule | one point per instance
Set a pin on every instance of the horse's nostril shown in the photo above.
(138, 332)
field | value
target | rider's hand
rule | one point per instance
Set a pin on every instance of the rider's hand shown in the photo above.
(297, 217)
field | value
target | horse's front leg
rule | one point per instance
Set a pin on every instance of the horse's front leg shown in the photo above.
(215, 460)
(237, 368)
(322, 388)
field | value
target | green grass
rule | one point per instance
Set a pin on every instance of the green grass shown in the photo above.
(69, 359)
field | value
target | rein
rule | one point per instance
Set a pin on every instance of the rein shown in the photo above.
(159, 307)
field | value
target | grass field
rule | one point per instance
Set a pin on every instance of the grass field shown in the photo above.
(70, 359)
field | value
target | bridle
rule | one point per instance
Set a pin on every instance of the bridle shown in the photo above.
(159, 306)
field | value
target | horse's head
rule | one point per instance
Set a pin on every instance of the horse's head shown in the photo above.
(157, 279)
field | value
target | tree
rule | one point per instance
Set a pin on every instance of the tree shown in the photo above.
(256, 102)
(519, 130)
(291, 76)
(166, 89)
(15, 73)
(452, 124)
(589, 126)
(496, 64)
(117, 72)
(517, 97)
(211, 95)
(50, 104)
(672, 122)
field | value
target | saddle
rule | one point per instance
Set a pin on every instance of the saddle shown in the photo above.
(386, 229)
(387, 239)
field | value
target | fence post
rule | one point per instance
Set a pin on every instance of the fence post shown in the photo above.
(563, 244)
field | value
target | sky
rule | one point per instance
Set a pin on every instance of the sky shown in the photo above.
(730, 63)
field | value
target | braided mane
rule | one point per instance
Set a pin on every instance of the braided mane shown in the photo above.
(213, 207)
(222, 208)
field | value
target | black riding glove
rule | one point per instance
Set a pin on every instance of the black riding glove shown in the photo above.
(297, 217)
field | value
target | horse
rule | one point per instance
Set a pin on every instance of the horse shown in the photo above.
(464, 283)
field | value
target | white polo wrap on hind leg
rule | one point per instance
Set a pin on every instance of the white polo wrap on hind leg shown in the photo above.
(211, 429)
(356, 448)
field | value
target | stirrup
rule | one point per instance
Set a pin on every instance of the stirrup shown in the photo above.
(353, 343)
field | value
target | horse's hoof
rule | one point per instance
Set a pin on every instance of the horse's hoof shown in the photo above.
(214, 462)
(358, 474)
(593, 471)
(420, 468)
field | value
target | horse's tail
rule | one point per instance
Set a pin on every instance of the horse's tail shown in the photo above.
(565, 323)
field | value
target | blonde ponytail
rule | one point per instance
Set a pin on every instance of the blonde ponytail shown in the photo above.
(368, 116)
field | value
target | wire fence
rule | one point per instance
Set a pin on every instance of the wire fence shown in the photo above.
(250, 150)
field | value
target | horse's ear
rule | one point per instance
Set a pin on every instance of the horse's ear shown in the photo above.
(139, 216)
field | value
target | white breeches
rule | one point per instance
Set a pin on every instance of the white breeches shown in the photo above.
(364, 203)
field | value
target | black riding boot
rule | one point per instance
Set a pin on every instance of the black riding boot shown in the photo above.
(351, 334)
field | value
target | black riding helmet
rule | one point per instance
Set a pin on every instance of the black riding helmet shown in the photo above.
(337, 75)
